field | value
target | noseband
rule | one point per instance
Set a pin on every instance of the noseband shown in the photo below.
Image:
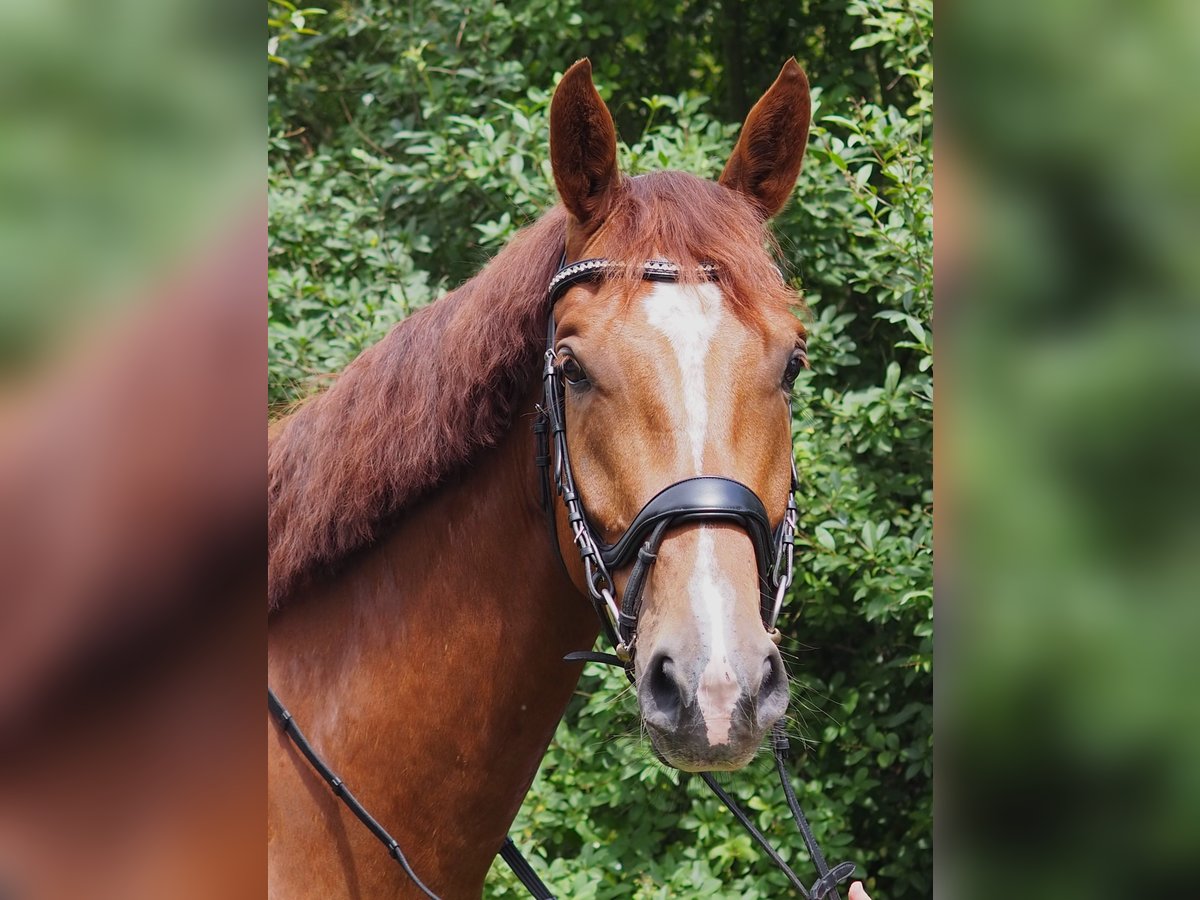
(704, 498)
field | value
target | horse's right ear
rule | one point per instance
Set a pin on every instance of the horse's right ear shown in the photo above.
(583, 145)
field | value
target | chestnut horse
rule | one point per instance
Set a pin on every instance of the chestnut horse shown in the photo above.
(419, 609)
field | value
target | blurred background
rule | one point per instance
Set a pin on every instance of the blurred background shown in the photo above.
(1068, 225)
(131, 451)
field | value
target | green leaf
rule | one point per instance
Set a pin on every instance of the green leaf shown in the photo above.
(824, 538)
(915, 328)
(868, 40)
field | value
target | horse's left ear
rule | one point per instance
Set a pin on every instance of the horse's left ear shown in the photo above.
(766, 160)
(583, 145)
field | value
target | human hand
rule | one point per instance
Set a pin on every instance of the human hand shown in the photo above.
(857, 892)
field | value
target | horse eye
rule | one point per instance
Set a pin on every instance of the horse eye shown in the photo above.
(796, 364)
(572, 371)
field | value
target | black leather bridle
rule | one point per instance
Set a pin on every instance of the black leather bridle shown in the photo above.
(702, 498)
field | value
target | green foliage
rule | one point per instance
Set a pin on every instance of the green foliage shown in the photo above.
(409, 142)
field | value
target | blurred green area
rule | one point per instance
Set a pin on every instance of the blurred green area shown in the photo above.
(409, 142)
(129, 132)
(1068, 540)
(131, 271)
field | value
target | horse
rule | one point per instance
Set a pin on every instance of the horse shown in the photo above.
(422, 599)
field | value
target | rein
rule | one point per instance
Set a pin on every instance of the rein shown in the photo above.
(701, 498)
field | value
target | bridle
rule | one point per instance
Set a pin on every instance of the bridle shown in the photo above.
(703, 498)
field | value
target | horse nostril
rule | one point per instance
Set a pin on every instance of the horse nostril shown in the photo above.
(772, 698)
(771, 674)
(664, 689)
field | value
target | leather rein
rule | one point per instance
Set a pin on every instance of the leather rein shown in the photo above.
(701, 498)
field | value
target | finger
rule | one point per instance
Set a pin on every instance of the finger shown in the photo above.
(857, 892)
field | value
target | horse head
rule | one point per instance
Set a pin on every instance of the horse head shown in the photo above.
(667, 381)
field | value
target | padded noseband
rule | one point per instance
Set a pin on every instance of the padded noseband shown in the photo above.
(703, 498)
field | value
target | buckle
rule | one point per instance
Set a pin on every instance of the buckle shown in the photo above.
(830, 880)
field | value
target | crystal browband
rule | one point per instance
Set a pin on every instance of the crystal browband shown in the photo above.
(589, 269)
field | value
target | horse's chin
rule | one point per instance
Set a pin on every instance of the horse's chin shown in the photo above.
(689, 757)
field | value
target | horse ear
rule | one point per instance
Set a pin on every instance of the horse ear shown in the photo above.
(583, 145)
(767, 157)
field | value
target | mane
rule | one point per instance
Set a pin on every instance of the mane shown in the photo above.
(445, 383)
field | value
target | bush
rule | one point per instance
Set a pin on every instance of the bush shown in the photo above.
(405, 147)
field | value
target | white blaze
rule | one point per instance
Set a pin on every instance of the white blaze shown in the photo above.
(711, 594)
(689, 317)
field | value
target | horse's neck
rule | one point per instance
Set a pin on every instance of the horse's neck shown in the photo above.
(430, 675)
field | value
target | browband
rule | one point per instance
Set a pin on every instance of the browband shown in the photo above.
(593, 269)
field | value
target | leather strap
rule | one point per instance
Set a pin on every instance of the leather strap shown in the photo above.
(594, 656)
(631, 599)
(508, 852)
(595, 269)
(704, 497)
(292, 730)
(827, 878)
(524, 871)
